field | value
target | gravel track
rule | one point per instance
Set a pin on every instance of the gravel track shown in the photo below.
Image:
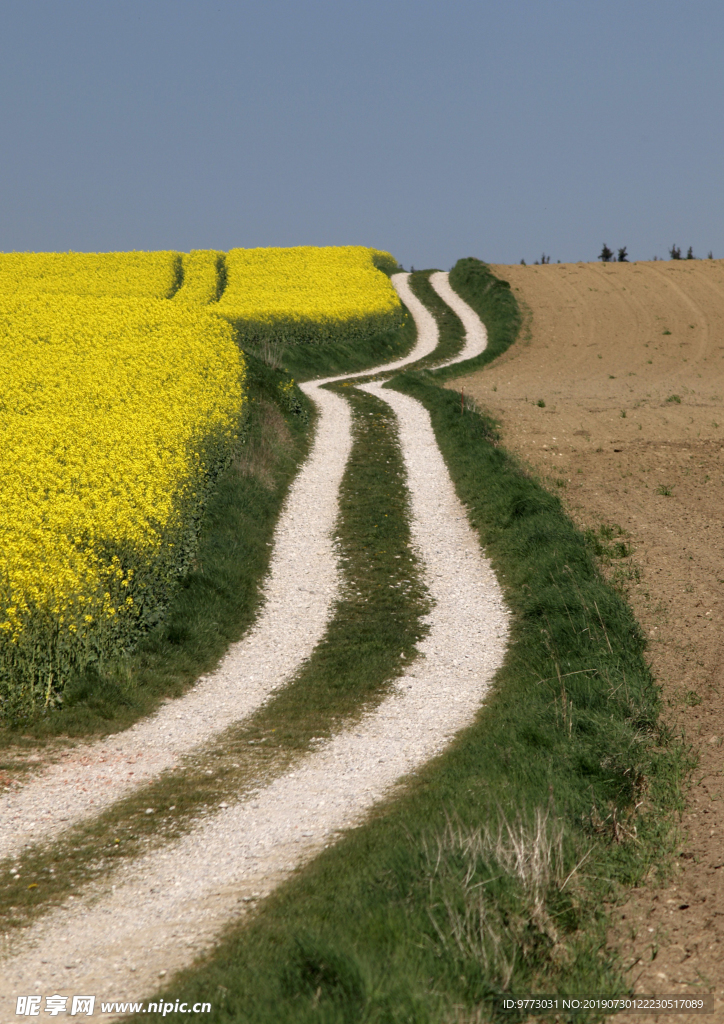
(476, 337)
(173, 902)
(299, 593)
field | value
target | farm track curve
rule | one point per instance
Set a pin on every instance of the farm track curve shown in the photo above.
(120, 937)
(299, 593)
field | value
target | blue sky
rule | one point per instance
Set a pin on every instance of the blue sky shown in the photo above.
(432, 129)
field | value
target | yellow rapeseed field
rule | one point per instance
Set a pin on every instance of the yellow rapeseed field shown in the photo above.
(117, 409)
(310, 294)
(115, 414)
(141, 275)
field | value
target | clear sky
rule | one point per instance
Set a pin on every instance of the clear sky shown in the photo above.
(431, 128)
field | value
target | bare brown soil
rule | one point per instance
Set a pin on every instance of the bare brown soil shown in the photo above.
(615, 395)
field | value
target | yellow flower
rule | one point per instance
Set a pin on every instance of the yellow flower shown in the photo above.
(118, 408)
(201, 277)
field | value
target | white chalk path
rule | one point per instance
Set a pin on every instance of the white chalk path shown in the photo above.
(298, 597)
(170, 904)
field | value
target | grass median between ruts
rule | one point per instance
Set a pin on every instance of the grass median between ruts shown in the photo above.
(490, 875)
(451, 332)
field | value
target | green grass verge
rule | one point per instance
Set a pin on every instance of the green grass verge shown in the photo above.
(305, 362)
(217, 600)
(491, 873)
(371, 638)
(494, 302)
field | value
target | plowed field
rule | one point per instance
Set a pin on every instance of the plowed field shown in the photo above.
(614, 393)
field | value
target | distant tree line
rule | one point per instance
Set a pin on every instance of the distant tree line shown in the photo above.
(607, 255)
(542, 261)
(675, 254)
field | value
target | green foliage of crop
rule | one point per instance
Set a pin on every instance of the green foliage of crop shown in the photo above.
(305, 362)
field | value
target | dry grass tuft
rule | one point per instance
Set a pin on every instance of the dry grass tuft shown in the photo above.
(524, 860)
(613, 826)
(271, 351)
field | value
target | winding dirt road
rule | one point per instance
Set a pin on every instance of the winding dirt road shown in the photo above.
(162, 908)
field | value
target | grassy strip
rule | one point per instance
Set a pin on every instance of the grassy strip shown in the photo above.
(494, 302)
(217, 600)
(490, 874)
(377, 623)
(372, 636)
(306, 362)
